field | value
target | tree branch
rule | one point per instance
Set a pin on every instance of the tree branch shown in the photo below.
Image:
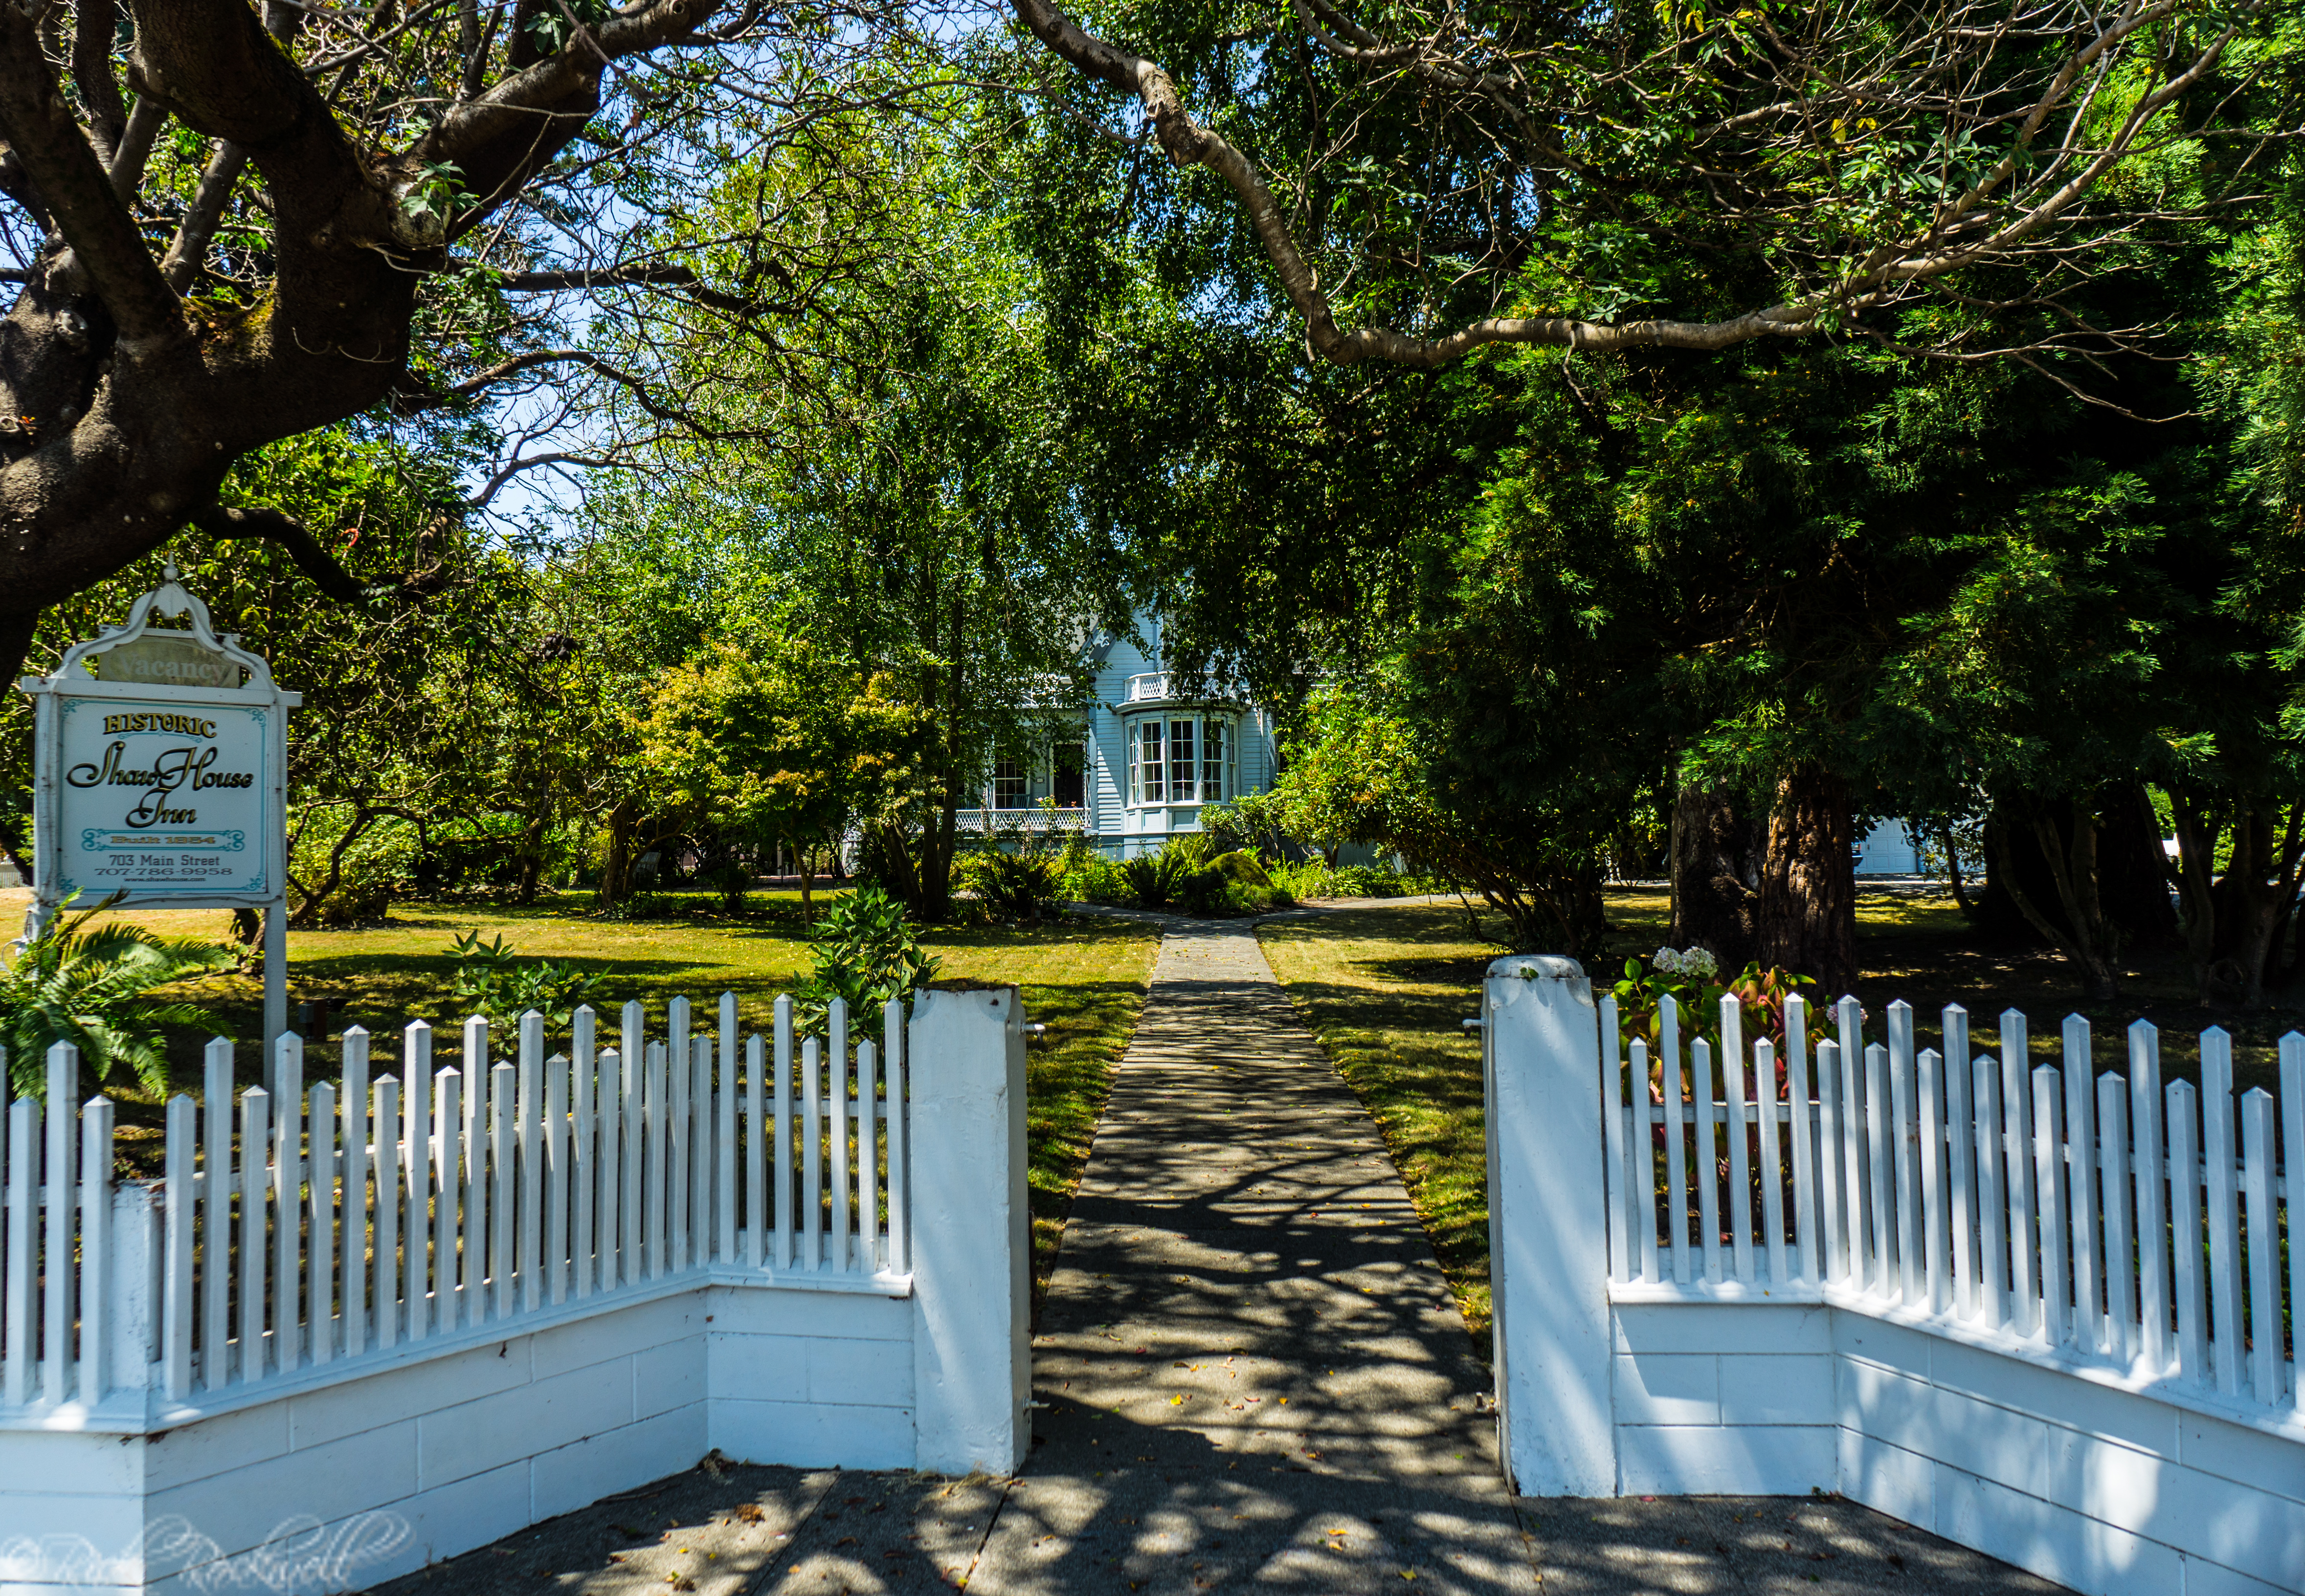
(503, 138)
(566, 457)
(91, 66)
(42, 134)
(197, 227)
(630, 276)
(17, 183)
(274, 526)
(1986, 221)
(135, 148)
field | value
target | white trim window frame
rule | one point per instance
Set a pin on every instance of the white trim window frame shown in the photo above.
(1183, 762)
(1012, 776)
(1153, 732)
(1216, 758)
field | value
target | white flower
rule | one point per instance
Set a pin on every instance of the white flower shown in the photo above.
(1695, 960)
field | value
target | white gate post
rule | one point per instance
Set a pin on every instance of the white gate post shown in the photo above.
(972, 1238)
(1548, 1235)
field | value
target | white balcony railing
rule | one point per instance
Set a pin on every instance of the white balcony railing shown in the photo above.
(1035, 821)
(1154, 684)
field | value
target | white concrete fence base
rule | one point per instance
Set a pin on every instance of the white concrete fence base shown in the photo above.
(2104, 1472)
(355, 1472)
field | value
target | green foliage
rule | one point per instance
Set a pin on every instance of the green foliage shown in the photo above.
(776, 740)
(548, 26)
(1210, 892)
(94, 988)
(1156, 880)
(499, 985)
(1241, 866)
(865, 950)
(353, 872)
(1092, 878)
(1175, 878)
(1315, 878)
(1689, 979)
(1021, 886)
(1253, 821)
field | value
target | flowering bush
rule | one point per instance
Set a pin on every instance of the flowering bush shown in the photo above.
(1697, 962)
(1687, 977)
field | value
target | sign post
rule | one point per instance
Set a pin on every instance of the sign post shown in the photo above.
(161, 777)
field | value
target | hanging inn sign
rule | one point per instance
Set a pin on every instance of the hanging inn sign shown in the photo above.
(160, 775)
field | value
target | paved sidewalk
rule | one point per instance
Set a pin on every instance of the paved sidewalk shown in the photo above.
(1254, 1377)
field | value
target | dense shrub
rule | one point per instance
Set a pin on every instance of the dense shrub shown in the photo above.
(1241, 865)
(867, 953)
(1316, 879)
(499, 986)
(369, 872)
(1010, 885)
(1156, 880)
(1096, 880)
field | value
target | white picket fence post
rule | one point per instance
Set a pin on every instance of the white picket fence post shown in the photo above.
(297, 1230)
(1548, 1231)
(971, 1232)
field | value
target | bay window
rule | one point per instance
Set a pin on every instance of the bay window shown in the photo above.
(1183, 758)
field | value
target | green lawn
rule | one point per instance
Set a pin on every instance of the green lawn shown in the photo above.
(1083, 979)
(1386, 990)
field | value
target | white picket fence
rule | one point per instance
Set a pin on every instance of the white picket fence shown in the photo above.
(302, 1229)
(2116, 1221)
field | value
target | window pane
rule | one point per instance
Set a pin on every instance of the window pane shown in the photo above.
(1182, 783)
(1135, 787)
(1008, 784)
(1213, 760)
(1155, 790)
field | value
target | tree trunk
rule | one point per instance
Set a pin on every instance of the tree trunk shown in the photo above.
(1714, 862)
(531, 857)
(2234, 923)
(1961, 898)
(2081, 931)
(807, 885)
(2133, 871)
(617, 853)
(1807, 922)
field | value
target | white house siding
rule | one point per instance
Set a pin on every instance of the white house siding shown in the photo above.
(1888, 850)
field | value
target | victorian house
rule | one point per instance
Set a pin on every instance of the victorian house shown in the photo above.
(1139, 761)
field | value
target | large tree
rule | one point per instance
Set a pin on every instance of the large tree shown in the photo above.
(1447, 177)
(231, 229)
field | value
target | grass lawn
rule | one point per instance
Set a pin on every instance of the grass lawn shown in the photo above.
(1083, 979)
(1386, 988)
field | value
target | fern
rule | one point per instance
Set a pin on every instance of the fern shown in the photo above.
(93, 988)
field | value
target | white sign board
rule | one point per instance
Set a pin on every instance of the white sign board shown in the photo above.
(158, 796)
(159, 776)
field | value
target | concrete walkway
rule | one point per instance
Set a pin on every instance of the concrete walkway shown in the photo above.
(1252, 1377)
(1253, 1369)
